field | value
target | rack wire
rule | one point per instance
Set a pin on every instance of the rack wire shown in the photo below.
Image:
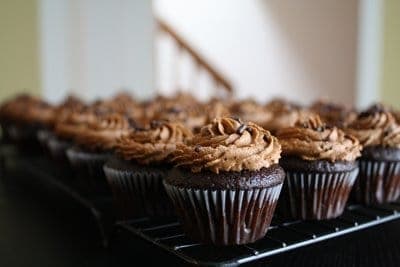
(281, 236)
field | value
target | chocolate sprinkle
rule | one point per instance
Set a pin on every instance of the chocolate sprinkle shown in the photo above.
(241, 128)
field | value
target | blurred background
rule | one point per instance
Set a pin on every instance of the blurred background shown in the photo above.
(347, 51)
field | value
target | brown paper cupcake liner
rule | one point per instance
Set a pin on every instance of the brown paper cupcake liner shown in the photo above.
(43, 136)
(377, 182)
(88, 167)
(23, 136)
(315, 195)
(21, 133)
(224, 217)
(139, 191)
(57, 148)
(5, 135)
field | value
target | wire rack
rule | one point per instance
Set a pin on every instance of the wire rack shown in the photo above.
(167, 234)
(282, 236)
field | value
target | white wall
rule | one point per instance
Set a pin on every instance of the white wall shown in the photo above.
(298, 49)
(94, 47)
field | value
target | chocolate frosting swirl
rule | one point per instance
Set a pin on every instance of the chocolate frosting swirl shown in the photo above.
(153, 145)
(72, 123)
(284, 114)
(250, 110)
(103, 132)
(28, 109)
(227, 144)
(313, 140)
(334, 114)
(376, 127)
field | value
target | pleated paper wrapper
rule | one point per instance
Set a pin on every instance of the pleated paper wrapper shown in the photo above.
(225, 217)
(58, 149)
(307, 195)
(139, 192)
(88, 167)
(377, 182)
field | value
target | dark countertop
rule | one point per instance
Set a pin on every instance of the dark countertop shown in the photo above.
(39, 227)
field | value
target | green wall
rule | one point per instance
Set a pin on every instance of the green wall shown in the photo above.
(19, 57)
(391, 54)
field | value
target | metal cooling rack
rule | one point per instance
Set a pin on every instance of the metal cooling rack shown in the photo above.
(281, 236)
(167, 234)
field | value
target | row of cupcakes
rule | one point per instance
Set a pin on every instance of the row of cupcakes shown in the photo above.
(223, 175)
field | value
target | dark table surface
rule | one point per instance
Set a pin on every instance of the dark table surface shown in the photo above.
(39, 227)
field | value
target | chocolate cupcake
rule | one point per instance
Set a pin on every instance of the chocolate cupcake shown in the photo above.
(283, 114)
(320, 164)
(250, 110)
(334, 114)
(379, 177)
(226, 182)
(93, 147)
(22, 117)
(69, 122)
(136, 175)
(182, 108)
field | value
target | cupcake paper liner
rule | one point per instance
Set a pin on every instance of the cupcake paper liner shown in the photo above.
(20, 133)
(315, 195)
(23, 137)
(43, 136)
(377, 182)
(5, 135)
(225, 217)
(139, 192)
(58, 149)
(88, 167)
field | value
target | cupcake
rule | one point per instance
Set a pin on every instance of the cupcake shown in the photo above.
(396, 114)
(320, 164)
(121, 103)
(334, 114)
(283, 114)
(226, 182)
(10, 113)
(250, 110)
(136, 176)
(182, 108)
(93, 147)
(22, 117)
(379, 177)
(69, 122)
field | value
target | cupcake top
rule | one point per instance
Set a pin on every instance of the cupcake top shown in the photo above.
(154, 144)
(313, 140)
(122, 103)
(28, 109)
(376, 127)
(250, 110)
(72, 123)
(396, 114)
(191, 117)
(283, 114)
(334, 114)
(41, 113)
(229, 145)
(12, 108)
(215, 109)
(71, 103)
(102, 133)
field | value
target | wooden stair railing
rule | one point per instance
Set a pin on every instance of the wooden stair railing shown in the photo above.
(222, 85)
